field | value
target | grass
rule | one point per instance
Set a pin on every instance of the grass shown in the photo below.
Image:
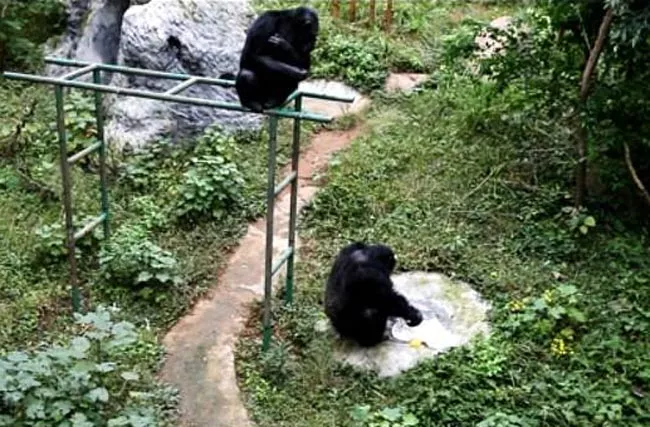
(456, 182)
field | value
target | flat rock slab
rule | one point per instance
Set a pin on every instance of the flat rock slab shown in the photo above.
(453, 314)
(404, 82)
(331, 108)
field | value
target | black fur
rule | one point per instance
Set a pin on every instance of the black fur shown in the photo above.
(276, 57)
(360, 298)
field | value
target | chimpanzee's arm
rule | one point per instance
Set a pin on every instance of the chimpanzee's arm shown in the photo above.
(280, 67)
(285, 48)
(395, 305)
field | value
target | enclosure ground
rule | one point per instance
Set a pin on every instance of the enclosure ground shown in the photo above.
(200, 346)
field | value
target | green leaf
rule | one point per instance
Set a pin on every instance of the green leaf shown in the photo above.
(79, 347)
(35, 410)
(141, 421)
(590, 221)
(576, 315)
(144, 276)
(80, 420)
(118, 422)
(99, 394)
(391, 414)
(410, 420)
(130, 376)
(163, 277)
(360, 413)
(556, 312)
(583, 229)
(106, 367)
(61, 408)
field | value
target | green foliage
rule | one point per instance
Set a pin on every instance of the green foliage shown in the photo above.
(86, 382)
(130, 259)
(358, 62)
(387, 417)
(213, 184)
(470, 179)
(24, 26)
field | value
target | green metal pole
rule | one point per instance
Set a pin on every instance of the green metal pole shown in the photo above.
(103, 180)
(293, 207)
(75, 294)
(268, 253)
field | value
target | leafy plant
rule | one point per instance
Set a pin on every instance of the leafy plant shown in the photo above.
(360, 63)
(214, 184)
(80, 384)
(387, 417)
(130, 259)
(24, 26)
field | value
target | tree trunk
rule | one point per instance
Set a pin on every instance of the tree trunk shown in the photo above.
(352, 10)
(336, 8)
(635, 176)
(372, 6)
(585, 87)
(388, 14)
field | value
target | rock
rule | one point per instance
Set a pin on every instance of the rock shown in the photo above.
(404, 82)
(199, 37)
(93, 32)
(331, 108)
(453, 314)
(490, 42)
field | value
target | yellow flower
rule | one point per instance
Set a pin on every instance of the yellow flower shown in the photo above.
(560, 348)
(548, 296)
(516, 305)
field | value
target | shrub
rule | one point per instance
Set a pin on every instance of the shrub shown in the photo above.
(130, 259)
(213, 184)
(81, 384)
(360, 63)
(24, 26)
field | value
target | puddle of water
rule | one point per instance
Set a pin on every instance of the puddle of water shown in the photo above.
(453, 314)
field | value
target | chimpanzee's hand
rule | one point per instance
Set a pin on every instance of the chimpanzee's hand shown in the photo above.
(415, 317)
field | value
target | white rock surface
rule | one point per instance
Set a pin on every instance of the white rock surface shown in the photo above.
(453, 314)
(199, 37)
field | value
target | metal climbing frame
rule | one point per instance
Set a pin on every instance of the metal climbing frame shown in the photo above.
(172, 95)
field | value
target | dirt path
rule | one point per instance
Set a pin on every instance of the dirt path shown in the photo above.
(200, 361)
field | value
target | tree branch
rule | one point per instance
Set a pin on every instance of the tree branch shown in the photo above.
(585, 88)
(635, 176)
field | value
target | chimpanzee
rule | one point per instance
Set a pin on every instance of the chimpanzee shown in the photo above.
(276, 57)
(360, 298)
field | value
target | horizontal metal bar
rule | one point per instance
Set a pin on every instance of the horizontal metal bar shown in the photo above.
(181, 87)
(139, 71)
(178, 76)
(283, 258)
(286, 181)
(163, 97)
(83, 153)
(89, 227)
(314, 95)
(80, 72)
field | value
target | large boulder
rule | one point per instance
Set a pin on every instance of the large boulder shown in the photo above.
(199, 37)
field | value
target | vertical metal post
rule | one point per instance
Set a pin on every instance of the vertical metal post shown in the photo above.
(103, 181)
(268, 255)
(75, 294)
(293, 206)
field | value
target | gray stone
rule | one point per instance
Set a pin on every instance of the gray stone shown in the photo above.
(93, 32)
(199, 37)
